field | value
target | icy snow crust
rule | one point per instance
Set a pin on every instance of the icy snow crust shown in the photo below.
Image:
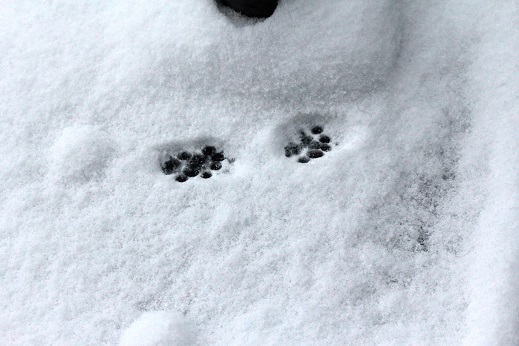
(405, 233)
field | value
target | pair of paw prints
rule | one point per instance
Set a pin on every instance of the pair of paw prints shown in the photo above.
(189, 164)
(311, 145)
(206, 160)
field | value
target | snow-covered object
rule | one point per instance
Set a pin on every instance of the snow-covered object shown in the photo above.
(159, 328)
(80, 153)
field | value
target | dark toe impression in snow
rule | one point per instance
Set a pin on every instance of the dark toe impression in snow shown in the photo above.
(189, 164)
(312, 145)
(251, 8)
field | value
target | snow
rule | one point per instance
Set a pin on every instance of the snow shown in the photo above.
(493, 311)
(81, 153)
(405, 233)
(159, 328)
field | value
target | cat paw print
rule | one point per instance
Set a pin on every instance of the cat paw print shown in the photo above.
(186, 164)
(312, 144)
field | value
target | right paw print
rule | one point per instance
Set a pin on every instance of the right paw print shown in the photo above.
(186, 164)
(311, 145)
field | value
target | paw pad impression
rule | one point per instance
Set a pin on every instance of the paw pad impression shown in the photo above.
(189, 164)
(311, 145)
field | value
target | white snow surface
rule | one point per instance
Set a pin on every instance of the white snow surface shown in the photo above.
(406, 233)
(159, 328)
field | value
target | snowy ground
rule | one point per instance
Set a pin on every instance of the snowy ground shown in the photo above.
(406, 233)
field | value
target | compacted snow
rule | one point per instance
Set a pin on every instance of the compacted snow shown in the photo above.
(405, 233)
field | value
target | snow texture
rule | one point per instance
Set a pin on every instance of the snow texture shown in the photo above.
(406, 233)
(159, 328)
(80, 154)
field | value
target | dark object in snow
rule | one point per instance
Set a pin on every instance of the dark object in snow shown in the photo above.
(215, 166)
(314, 145)
(218, 157)
(324, 139)
(311, 139)
(170, 165)
(292, 149)
(305, 139)
(317, 130)
(208, 150)
(191, 172)
(325, 147)
(314, 154)
(196, 161)
(252, 8)
(184, 156)
(181, 178)
(187, 164)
